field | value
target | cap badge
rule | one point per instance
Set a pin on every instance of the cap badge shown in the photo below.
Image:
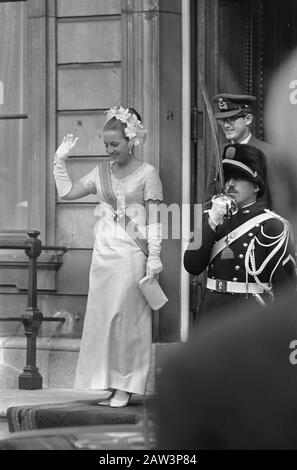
(222, 104)
(230, 152)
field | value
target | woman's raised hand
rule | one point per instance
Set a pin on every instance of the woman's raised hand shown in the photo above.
(67, 144)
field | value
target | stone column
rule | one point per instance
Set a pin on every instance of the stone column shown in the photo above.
(152, 83)
(140, 68)
(37, 81)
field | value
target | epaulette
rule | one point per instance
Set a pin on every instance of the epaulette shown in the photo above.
(274, 242)
(285, 224)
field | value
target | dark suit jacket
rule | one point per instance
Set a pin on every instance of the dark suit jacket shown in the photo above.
(266, 148)
(233, 386)
(211, 188)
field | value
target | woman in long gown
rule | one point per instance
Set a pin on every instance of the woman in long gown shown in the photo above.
(116, 341)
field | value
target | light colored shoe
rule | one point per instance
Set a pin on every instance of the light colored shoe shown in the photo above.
(106, 401)
(120, 398)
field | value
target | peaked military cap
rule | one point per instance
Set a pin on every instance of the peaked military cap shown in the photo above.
(247, 162)
(231, 105)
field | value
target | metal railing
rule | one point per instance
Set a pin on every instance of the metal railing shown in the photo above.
(30, 378)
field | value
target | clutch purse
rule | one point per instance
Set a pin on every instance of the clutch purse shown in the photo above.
(152, 292)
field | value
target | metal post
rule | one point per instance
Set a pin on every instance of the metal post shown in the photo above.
(30, 379)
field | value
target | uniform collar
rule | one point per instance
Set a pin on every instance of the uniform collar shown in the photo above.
(249, 208)
(249, 205)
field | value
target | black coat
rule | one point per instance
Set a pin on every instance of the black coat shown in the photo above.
(233, 386)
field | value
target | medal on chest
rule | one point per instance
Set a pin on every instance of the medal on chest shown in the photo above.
(227, 252)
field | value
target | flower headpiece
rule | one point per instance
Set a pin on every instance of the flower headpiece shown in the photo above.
(134, 130)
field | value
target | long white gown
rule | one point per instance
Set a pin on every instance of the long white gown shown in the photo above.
(116, 341)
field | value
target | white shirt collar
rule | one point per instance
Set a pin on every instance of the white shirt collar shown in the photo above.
(246, 140)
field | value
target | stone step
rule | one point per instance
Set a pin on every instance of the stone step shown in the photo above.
(57, 359)
(4, 432)
(76, 413)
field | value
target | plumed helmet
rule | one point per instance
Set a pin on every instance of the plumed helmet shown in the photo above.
(246, 162)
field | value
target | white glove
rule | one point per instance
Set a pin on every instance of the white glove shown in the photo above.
(219, 209)
(154, 240)
(63, 182)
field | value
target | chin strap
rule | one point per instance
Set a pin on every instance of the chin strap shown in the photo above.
(63, 182)
(154, 240)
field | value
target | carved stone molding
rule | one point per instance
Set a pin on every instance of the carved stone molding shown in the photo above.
(260, 55)
(254, 56)
(249, 31)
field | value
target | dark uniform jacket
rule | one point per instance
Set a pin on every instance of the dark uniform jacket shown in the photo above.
(230, 265)
(267, 199)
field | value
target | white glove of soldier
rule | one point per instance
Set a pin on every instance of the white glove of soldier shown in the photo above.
(63, 182)
(154, 239)
(220, 205)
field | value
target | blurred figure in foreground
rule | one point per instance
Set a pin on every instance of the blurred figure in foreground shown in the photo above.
(234, 385)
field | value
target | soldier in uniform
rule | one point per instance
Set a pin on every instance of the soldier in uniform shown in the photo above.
(235, 115)
(249, 255)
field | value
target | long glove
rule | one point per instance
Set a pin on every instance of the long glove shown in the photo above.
(63, 182)
(154, 239)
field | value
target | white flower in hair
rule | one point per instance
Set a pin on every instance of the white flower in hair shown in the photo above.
(120, 113)
(135, 129)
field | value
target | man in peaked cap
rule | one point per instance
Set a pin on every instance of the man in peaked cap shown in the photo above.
(235, 115)
(249, 255)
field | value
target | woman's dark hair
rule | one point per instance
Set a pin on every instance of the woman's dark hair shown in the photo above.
(115, 124)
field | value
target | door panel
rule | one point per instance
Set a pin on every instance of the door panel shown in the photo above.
(75, 225)
(79, 40)
(87, 126)
(88, 7)
(89, 88)
(237, 45)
